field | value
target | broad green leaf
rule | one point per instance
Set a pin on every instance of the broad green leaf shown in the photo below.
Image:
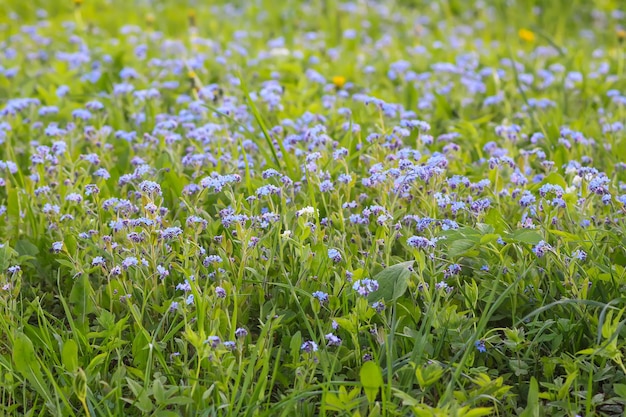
(532, 405)
(392, 282)
(525, 236)
(81, 297)
(24, 354)
(333, 403)
(70, 355)
(371, 379)
(620, 389)
(459, 247)
(25, 247)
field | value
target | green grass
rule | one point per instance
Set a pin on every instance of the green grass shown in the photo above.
(312, 208)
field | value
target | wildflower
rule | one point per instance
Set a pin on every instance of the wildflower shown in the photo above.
(365, 286)
(579, 254)
(189, 300)
(241, 332)
(420, 242)
(171, 232)
(214, 341)
(150, 187)
(97, 261)
(220, 292)
(321, 296)
(309, 346)
(453, 269)
(57, 247)
(14, 269)
(332, 340)
(526, 35)
(74, 198)
(480, 345)
(212, 259)
(163, 273)
(230, 345)
(541, 248)
(334, 255)
(339, 81)
(306, 211)
(326, 186)
(130, 261)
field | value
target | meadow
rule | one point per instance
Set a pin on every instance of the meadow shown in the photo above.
(312, 208)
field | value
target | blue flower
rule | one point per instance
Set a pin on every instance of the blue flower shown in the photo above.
(480, 345)
(334, 255)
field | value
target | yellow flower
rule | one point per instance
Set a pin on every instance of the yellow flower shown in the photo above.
(621, 35)
(526, 35)
(77, 3)
(339, 81)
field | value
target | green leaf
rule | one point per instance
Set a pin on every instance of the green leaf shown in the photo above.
(371, 379)
(5, 257)
(24, 247)
(532, 405)
(476, 412)
(459, 247)
(525, 236)
(620, 389)
(159, 391)
(69, 355)
(82, 297)
(296, 341)
(23, 354)
(392, 282)
(333, 403)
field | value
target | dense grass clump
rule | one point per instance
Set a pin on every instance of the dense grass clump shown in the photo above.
(280, 208)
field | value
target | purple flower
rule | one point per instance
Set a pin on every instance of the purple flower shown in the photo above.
(420, 242)
(214, 341)
(541, 248)
(326, 186)
(241, 332)
(332, 340)
(220, 292)
(14, 269)
(74, 198)
(162, 272)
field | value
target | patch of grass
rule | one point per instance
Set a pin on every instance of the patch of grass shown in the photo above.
(312, 208)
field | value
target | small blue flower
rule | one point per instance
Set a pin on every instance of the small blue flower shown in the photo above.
(480, 345)
(334, 255)
(309, 346)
